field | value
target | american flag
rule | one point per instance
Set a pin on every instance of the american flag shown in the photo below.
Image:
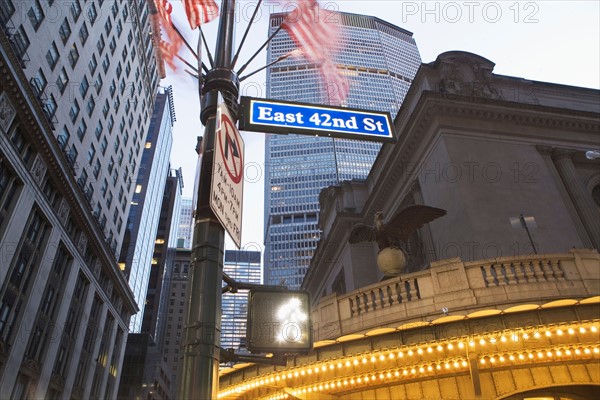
(169, 48)
(337, 86)
(317, 33)
(200, 11)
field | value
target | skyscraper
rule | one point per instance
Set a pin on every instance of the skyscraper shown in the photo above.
(136, 258)
(380, 61)
(242, 266)
(186, 226)
(77, 88)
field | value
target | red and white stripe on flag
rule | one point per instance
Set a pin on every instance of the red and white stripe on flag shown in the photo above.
(316, 32)
(337, 87)
(170, 48)
(164, 9)
(200, 11)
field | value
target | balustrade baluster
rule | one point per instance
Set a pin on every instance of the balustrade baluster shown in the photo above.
(547, 269)
(556, 266)
(399, 292)
(537, 271)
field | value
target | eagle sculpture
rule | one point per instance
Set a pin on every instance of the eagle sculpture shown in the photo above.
(398, 229)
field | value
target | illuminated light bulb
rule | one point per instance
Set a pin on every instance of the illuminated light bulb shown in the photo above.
(277, 378)
(392, 356)
(410, 353)
(339, 365)
(421, 370)
(302, 372)
(549, 354)
(289, 375)
(440, 348)
(501, 359)
(366, 379)
(464, 363)
(482, 361)
(382, 357)
(577, 351)
(530, 355)
(296, 374)
(471, 343)
(309, 390)
(525, 335)
(582, 330)
(412, 371)
(492, 360)
(388, 375)
(381, 376)
(492, 340)
(559, 332)
(461, 345)
(323, 368)
(429, 368)
(400, 354)
(364, 360)
(447, 366)
(320, 387)
(303, 390)
(587, 351)
(355, 362)
(521, 357)
(548, 333)
(511, 357)
(331, 366)
(568, 352)
(482, 342)
(536, 335)
(358, 380)
(503, 339)
(596, 350)
(450, 346)
(540, 354)
(262, 382)
(571, 331)
(558, 353)
(456, 364)
(348, 363)
(352, 381)
(594, 329)
(515, 337)
(338, 384)
(420, 350)
(345, 383)
(373, 359)
(429, 350)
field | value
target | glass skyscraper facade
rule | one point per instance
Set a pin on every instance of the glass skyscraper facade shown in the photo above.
(242, 266)
(142, 224)
(380, 61)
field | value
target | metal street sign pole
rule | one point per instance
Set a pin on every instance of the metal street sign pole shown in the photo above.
(200, 375)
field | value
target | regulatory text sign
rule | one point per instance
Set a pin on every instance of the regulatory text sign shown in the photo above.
(313, 119)
(227, 184)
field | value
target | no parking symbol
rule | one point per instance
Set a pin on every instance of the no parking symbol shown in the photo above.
(227, 185)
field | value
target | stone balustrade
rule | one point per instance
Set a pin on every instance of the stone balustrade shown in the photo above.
(461, 288)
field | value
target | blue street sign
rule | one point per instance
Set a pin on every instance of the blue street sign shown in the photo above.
(312, 119)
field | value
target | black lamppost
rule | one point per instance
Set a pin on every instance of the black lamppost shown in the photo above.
(203, 325)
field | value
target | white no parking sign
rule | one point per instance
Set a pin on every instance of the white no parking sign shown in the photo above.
(227, 185)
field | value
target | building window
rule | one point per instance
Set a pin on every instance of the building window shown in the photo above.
(9, 184)
(35, 14)
(73, 56)
(84, 86)
(112, 45)
(101, 44)
(50, 107)
(107, 26)
(64, 31)
(93, 64)
(91, 154)
(76, 10)
(83, 33)
(74, 111)
(92, 13)
(52, 56)
(90, 105)
(39, 82)
(62, 80)
(20, 41)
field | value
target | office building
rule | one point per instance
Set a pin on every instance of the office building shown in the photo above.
(484, 314)
(241, 266)
(136, 259)
(145, 373)
(380, 61)
(186, 225)
(76, 95)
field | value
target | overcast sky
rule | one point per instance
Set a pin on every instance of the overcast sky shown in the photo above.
(551, 41)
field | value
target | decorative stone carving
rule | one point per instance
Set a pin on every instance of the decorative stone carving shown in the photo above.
(96, 269)
(466, 74)
(63, 211)
(82, 243)
(7, 112)
(38, 169)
